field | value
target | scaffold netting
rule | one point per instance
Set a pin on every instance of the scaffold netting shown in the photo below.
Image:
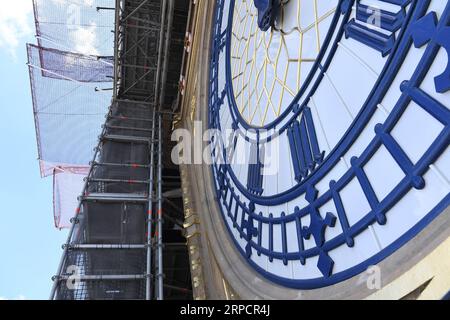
(67, 183)
(70, 69)
(68, 117)
(65, 65)
(76, 25)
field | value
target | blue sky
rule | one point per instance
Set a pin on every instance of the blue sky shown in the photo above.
(30, 246)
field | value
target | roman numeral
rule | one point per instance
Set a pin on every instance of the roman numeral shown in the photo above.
(255, 169)
(367, 27)
(305, 151)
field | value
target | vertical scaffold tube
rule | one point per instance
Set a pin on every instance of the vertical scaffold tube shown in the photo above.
(116, 47)
(150, 210)
(159, 291)
(170, 12)
(160, 50)
(160, 213)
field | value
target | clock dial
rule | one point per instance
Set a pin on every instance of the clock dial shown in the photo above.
(318, 165)
(269, 67)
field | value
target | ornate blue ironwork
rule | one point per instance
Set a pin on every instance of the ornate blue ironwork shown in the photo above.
(416, 26)
(267, 12)
(425, 30)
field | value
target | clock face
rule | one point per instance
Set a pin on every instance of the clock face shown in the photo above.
(318, 164)
(269, 67)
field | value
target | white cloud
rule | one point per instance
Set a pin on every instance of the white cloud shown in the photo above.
(20, 297)
(78, 2)
(81, 35)
(15, 23)
(85, 39)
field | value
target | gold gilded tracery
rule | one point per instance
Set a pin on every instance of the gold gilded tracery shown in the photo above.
(263, 63)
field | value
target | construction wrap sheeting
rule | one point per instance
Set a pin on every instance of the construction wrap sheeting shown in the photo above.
(63, 65)
(67, 182)
(69, 67)
(68, 117)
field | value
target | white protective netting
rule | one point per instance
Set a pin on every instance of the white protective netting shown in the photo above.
(69, 67)
(67, 183)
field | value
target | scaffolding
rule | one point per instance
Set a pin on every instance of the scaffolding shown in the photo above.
(126, 240)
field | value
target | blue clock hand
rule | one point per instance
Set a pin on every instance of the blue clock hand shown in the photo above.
(267, 11)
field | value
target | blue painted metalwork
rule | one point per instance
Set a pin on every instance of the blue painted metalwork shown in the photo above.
(370, 37)
(297, 154)
(267, 12)
(425, 30)
(226, 181)
(368, 18)
(388, 20)
(317, 228)
(305, 151)
(355, 129)
(255, 170)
